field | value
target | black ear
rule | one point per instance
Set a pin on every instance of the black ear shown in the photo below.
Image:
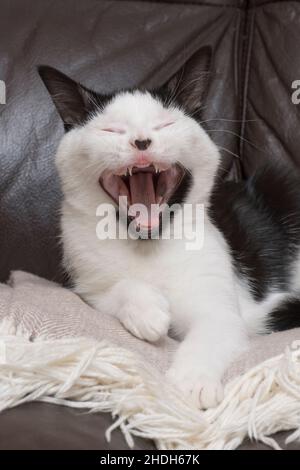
(189, 84)
(73, 101)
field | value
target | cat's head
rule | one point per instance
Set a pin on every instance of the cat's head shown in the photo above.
(146, 145)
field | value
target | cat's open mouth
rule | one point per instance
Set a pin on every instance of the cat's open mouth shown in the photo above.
(143, 185)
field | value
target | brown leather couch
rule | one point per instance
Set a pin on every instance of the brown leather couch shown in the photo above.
(112, 44)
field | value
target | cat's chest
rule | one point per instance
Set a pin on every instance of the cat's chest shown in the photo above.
(164, 264)
(172, 265)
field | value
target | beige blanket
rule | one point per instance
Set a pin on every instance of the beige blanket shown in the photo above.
(47, 314)
(43, 308)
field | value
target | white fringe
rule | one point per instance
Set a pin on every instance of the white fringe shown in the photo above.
(83, 373)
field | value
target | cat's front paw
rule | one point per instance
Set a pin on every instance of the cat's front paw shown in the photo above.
(203, 390)
(146, 318)
(150, 323)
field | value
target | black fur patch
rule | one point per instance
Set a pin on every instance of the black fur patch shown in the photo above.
(260, 220)
(181, 192)
(74, 102)
(285, 316)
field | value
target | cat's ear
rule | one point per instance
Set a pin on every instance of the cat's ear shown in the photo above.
(73, 101)
(188, 86)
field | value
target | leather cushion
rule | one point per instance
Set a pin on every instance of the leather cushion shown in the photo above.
(107, 45)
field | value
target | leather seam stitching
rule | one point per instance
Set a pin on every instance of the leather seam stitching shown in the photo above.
(246, 59)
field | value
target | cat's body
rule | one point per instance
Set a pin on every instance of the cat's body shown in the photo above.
(154, 285)
(206, 296)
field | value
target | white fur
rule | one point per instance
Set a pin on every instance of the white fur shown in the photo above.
(152, 285)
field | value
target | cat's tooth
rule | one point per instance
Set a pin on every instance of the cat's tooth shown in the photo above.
(156, 168)
(130, 170)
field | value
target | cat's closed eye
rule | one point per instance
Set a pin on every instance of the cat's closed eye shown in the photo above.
(114, 130)
(163, 125)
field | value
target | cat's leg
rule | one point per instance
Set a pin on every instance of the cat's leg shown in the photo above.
(140, 307)
(208, 348)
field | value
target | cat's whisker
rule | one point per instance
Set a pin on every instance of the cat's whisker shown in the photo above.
(237, 135)
(229, 120)
(229, 151)
(173, 94)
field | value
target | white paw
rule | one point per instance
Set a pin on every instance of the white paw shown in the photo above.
(203, 390)
(148, 317)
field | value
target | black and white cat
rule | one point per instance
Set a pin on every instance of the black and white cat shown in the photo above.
(150, 147)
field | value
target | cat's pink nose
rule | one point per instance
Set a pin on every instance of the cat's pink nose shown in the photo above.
(142, 144)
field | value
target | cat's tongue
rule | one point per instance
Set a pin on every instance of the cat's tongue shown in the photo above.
(142, 192)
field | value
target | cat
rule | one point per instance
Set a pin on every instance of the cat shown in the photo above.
(150, 146)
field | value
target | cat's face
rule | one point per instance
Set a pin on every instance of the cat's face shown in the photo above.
(141, 145)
